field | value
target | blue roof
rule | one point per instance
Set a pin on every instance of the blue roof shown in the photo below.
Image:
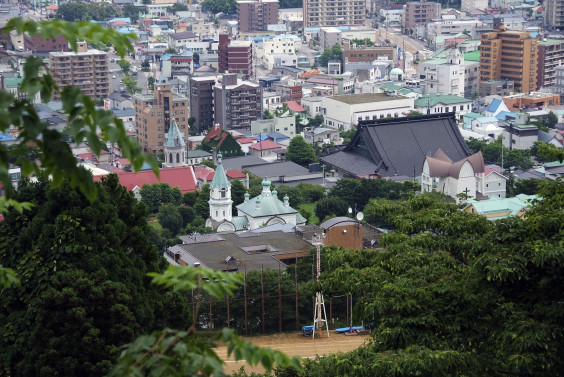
(277, 135)
(487, 120)
(494, 105)
(503, 115)
(124, 112)
(165, 57)
(6, 137)
(261, 137)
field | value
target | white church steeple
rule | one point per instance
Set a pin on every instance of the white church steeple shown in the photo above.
(175, 147)
(220, 194)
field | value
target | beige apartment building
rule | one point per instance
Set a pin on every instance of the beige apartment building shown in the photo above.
(320, 13)
(509, 55)
(86, 69)
(154, 113)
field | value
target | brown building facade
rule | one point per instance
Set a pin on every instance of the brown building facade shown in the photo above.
(419, 13)
(38, 44)
(256, 15)
(509, 55)
(154, 113)
(551, 54)
(344, 232)
(320, 13)
(366, 54)
(236, 103)
(235, 56)
(201, 101)
(87, 69)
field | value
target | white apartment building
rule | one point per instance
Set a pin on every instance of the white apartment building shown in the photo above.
(319, 13)
(285, 48)
(394, 17)
(439, 28)
(284, 125)
(344, 111)
(330, 36)
(446, 78)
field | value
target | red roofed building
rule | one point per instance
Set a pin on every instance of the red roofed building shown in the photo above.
(223, 141)
(295, 107)
(204, 174)
(266, 149)
(182, 177)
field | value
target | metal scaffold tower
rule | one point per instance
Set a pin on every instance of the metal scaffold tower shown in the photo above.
(319, 314)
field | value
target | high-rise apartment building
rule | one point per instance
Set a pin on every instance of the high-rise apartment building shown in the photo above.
(154, 113)
(85, 68)
(419, 13)
(509, 55)
(554, 13)
(256, 15)
(550, 56)
(237, 102)
(319, 13)
(201, 101)
(235, 56)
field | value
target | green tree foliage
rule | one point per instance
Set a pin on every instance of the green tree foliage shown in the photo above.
(291, 4)
(151, 83)
(178, 7)
(217, 6)
(189, 198)
(334, 53)
(358, 192)
(201, 206)
(267, 114)
(74, 11)
(525, 186)
(455, 294)
(145, 65)
(132, 11)
(300, 152)
(185, 353)
(170, 218)
(83, 291)
(130, 84)
(159, 193)
(124, 65)
(238, 191)
(187, 213)
(550, 120)
(85, 122)
(492, 153)
(209, 163)
(330, 207)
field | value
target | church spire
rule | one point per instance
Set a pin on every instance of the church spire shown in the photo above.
(175, 147)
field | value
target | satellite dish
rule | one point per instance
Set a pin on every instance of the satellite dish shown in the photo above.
(360, 216)
(350, 210)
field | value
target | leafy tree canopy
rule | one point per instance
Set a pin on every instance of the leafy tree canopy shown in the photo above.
(83, 288)
(334, 53)
(74, 11)
(217, 6)
(453, 293)
(300, 152)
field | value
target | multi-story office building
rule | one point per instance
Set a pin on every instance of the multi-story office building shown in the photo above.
(419, 13)
(201, 101)
(85, 68)
(256, 15)
(154, 113)
(559, 80)
(551, 55)
(509, 55)
(319, 13)
(235, 56)
(237, 102)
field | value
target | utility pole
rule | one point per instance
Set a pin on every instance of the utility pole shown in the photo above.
(319, 315)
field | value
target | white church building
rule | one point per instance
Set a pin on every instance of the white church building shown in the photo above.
(262, 210)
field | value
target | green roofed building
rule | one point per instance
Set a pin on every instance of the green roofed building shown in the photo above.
(262, 210)
(442, 104)
(501, 208)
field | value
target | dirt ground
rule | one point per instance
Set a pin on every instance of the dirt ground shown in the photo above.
(296, 345)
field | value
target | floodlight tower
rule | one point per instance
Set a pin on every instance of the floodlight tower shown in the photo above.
(319, 314)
